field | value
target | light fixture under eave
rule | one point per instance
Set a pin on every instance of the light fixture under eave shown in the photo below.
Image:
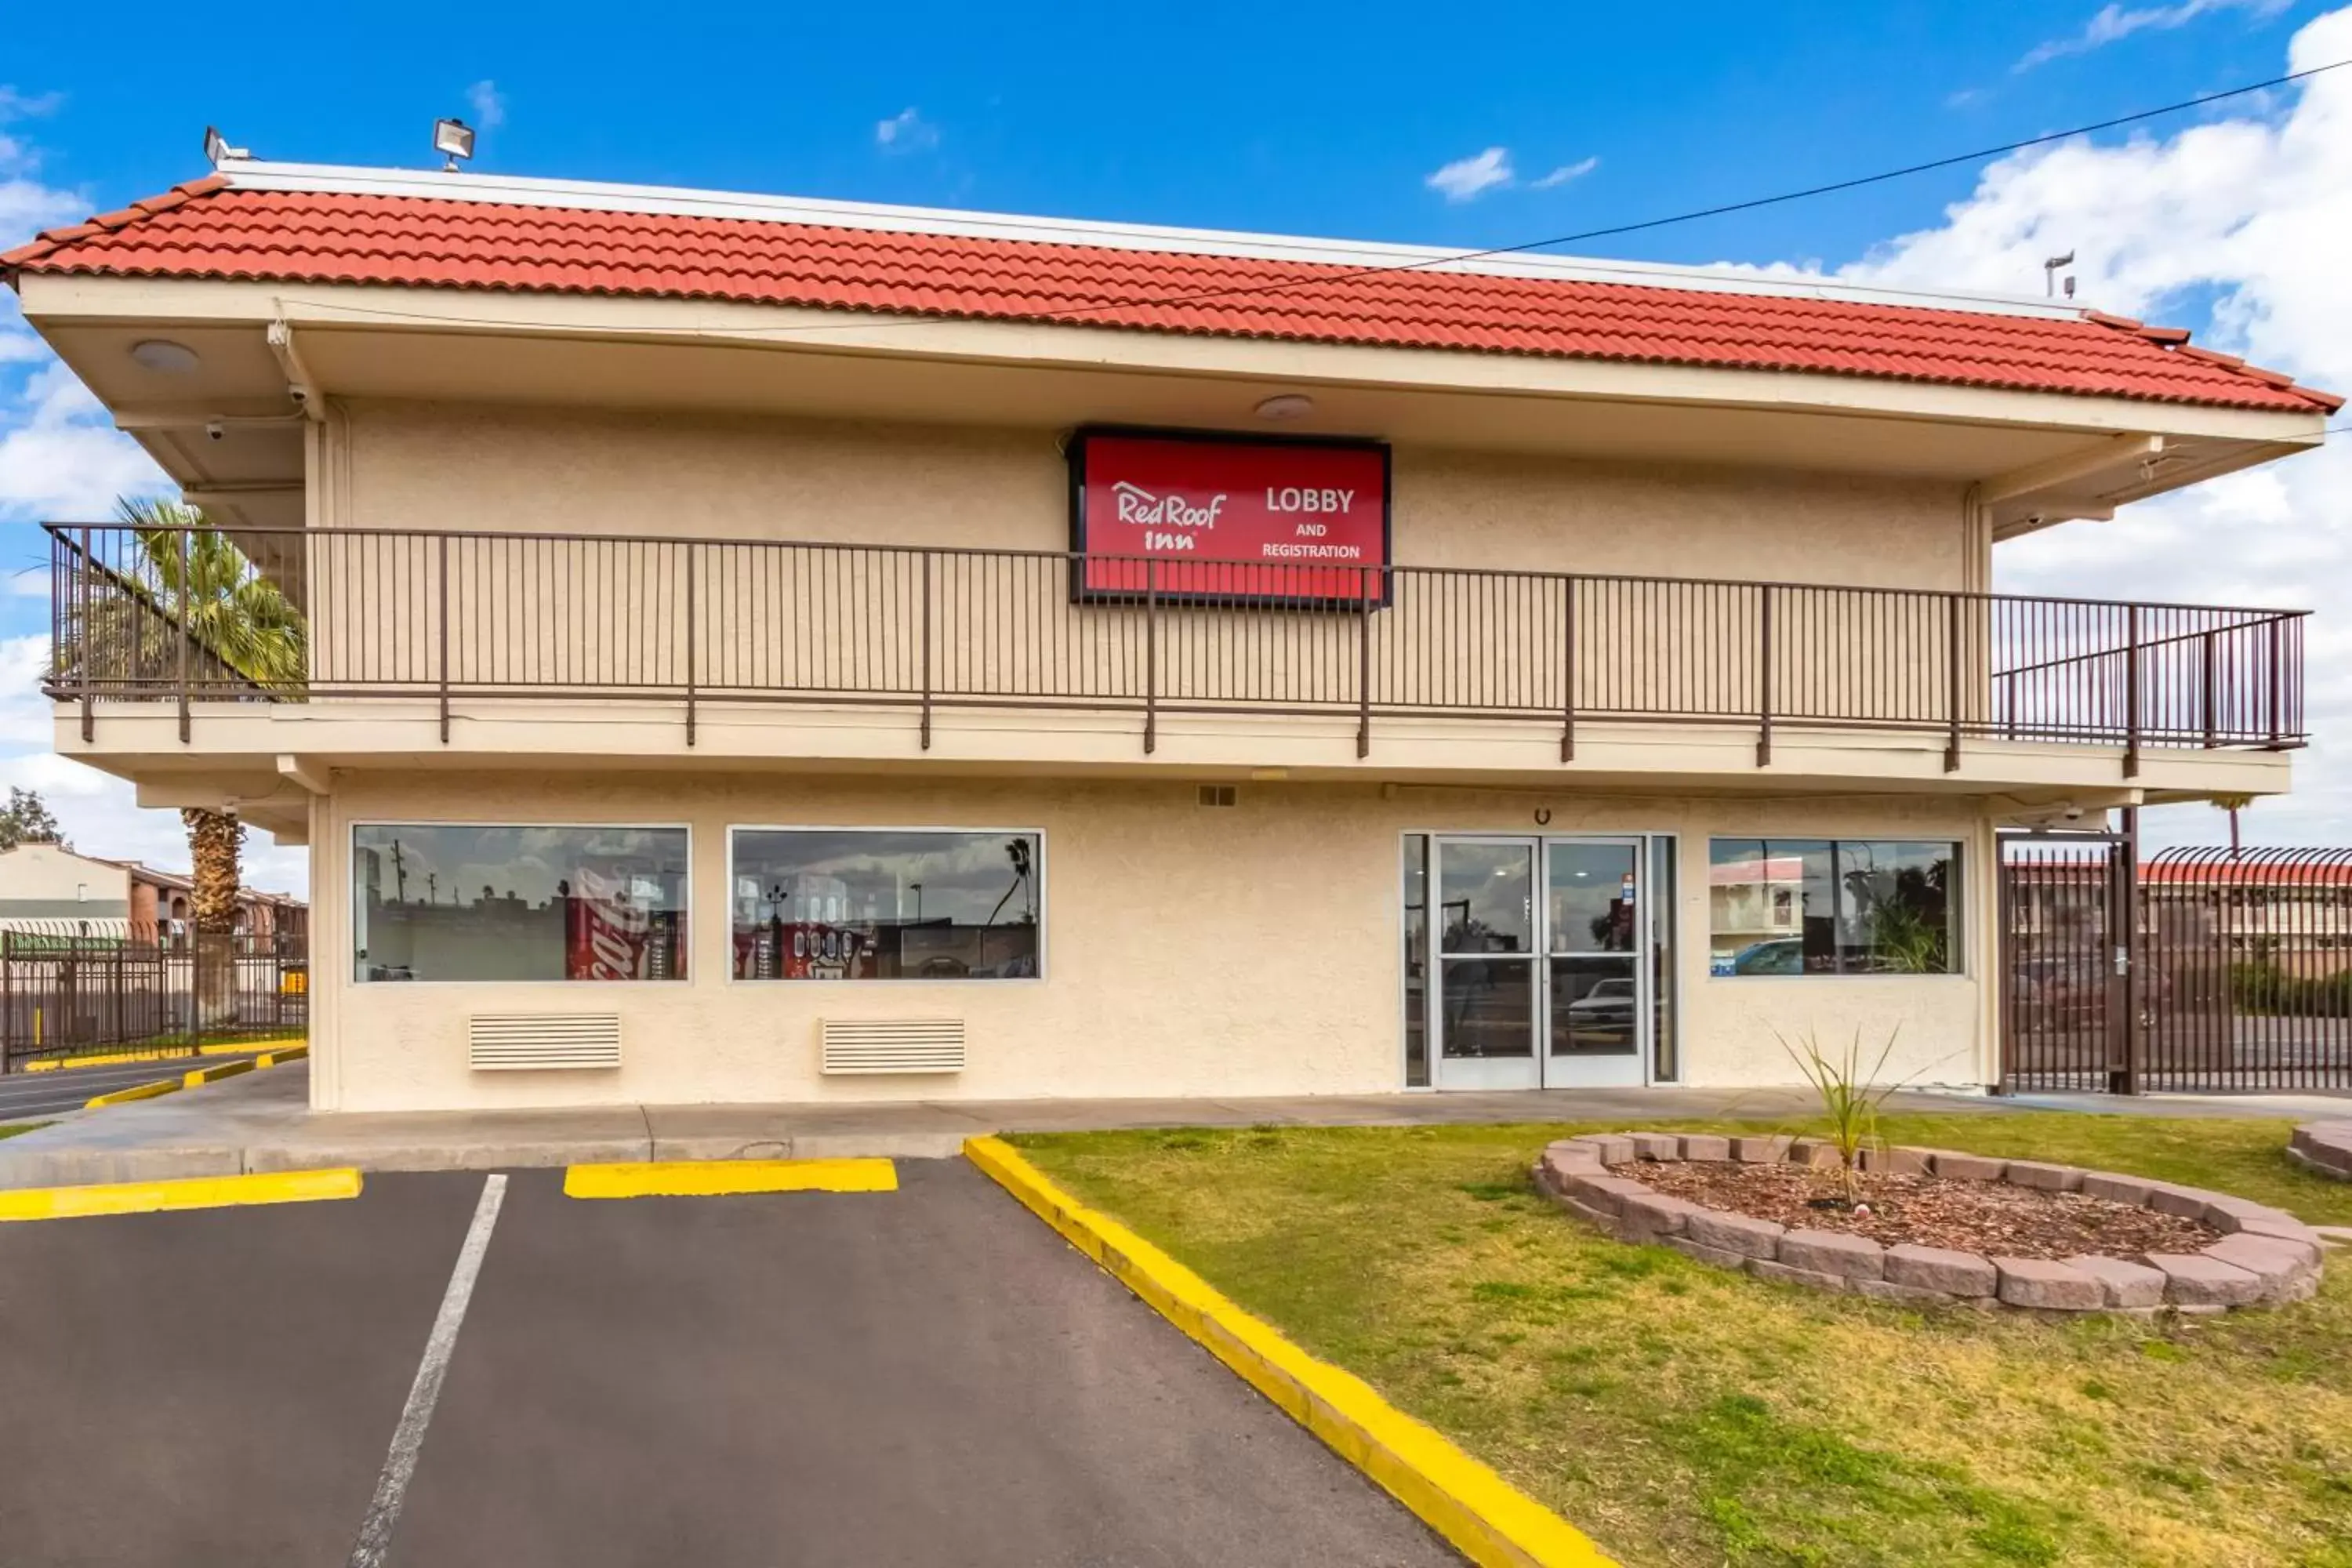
(1287, 406)
(163, 356)
(454, 139)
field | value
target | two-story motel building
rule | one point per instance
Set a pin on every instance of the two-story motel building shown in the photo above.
(765, 649)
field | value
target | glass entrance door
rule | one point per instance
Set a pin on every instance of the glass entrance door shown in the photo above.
(1487, 970)
(1595, 1013)
(1541, 965)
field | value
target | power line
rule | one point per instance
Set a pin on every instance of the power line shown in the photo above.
(1457, 257)
(1755, 203)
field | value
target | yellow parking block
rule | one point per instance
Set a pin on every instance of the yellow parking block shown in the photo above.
(189, 1193)
(290, 1053)
(715, 1178)
(136, 1091)
(203, 1076)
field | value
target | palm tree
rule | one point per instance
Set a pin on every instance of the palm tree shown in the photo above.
(202, 585)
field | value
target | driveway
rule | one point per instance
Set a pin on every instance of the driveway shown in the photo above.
(33, 1096)
(916, 1377)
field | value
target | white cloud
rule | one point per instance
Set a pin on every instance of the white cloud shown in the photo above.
(1568, 172)
(489, 105)
(18, 105)
(906, 132)
(1467, 179)
(60, 458)
(2252, 214)
(2114, 23)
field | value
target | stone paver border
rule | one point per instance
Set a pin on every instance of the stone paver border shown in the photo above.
(2266, 1256)
(2324, 1148)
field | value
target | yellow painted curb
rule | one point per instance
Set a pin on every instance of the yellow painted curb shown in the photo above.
(290, 1053)
(203, 1076)
(136, 1091)
(191, 1193)
(115, 1058)
(715, 1178)
(1489, 1520)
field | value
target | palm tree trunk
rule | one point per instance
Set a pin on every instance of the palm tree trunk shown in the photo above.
(215, 838)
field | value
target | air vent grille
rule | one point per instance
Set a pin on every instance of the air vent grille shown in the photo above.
(891, 1045)
(1219, 795)
(543, 1042)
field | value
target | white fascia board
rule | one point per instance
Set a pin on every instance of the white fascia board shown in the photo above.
(591, 195)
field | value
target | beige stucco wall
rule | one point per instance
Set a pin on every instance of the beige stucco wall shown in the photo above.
(532, 613)
(1190, 951)
(486, 467)
(46, 874)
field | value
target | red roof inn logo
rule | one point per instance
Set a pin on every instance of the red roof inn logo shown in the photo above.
(1162, 517)
(1240, 518)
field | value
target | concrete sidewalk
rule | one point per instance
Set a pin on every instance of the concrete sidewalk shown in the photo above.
(263, 1123)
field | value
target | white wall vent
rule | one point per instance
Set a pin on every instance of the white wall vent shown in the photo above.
(891, 1045)
(543, 1042)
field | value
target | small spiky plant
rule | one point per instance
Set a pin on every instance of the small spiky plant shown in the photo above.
(1850, 1096)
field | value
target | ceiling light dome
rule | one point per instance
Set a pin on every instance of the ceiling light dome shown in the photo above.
(163, 356)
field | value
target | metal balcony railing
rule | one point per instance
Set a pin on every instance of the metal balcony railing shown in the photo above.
(271, 616)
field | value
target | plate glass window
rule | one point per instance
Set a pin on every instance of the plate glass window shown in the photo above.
(439, 902)
(1786, 906)
(886, 904)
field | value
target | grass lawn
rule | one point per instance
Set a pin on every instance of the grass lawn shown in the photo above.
(1683, 1416)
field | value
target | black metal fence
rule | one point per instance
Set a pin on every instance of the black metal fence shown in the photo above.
(2231, 971)
(472, 616)
(64, 997)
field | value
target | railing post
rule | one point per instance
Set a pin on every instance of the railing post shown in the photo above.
(1151, 656)
(2126, 1077)
(2131, 691)
(82, 596)
(927, 650)
(1363, 662)
(441, 604)
(1568, 670)
(2211, 681)
(7, 1003)
(1764, 681)
(184, 597)
(693, 580)
(1952, 682)
(2277, 683)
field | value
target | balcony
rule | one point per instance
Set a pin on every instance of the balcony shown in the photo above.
(481, 625)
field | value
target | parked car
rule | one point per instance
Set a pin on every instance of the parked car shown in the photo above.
(1781, 955)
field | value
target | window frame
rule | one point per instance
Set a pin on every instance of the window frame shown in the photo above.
(1958, 900)
(352, 891)
(1038, 873)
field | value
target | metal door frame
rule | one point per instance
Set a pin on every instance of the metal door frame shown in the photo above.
(1540, 1072)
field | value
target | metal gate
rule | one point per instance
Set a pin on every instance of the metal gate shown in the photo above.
(2065, 956)
(2231, 973)
(2246, 969)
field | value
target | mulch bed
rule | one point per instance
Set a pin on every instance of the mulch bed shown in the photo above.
(1989, 1217)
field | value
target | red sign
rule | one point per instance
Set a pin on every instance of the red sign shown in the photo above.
(1232, 518)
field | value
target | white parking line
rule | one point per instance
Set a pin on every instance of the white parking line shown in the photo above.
(408, 1437)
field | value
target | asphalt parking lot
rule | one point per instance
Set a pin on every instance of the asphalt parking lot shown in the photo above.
(921, 1377)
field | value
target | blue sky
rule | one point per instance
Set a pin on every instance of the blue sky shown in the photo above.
(1304, 118)
(1313, 119)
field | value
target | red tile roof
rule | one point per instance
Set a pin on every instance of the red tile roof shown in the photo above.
(208, 228)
